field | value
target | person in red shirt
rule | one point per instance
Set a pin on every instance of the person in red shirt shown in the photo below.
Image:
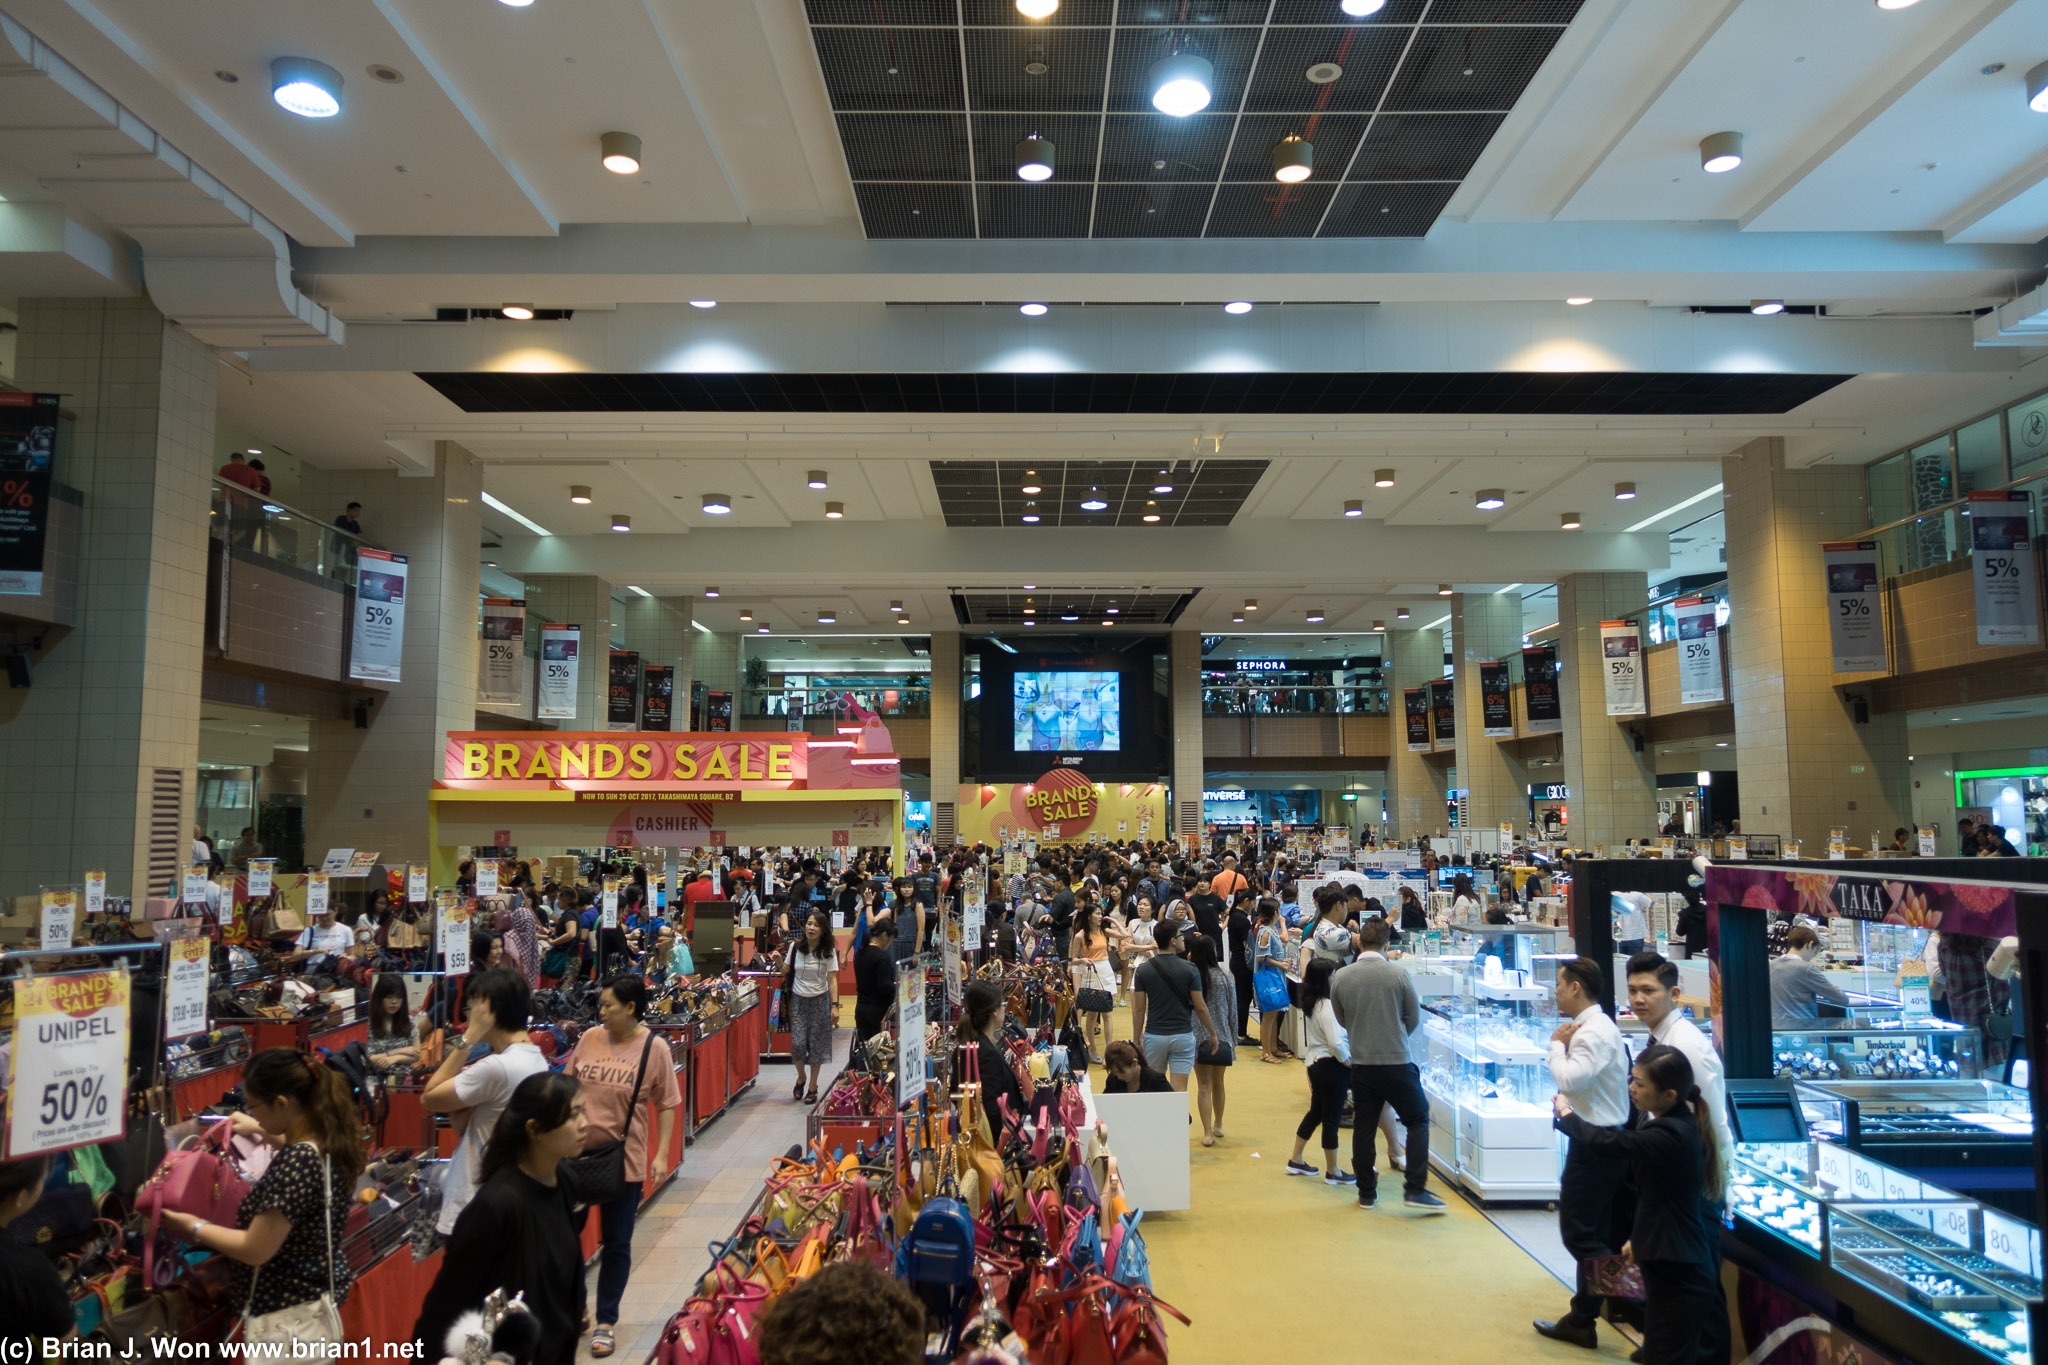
(237, 470)
(699, 889)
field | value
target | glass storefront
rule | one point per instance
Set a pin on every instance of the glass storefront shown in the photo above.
(816, 694)
(1294, 687)
(1233, 806)
(2016, 800)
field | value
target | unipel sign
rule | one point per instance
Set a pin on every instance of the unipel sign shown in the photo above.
(640, 761)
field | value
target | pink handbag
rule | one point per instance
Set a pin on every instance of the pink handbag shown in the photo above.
(198, 1179)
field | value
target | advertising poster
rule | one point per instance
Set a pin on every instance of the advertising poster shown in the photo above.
(377, 646)
(1699, 651)
(2003, 552)
(718, 710)
(28, 444)
(1443, 708)
(185, 989)
(1497, 717)
(1415, 703)
(558, 647)
(67, 1083)
(1621, 651)
(1539, 690)
(622, 698)
(659, 683)
(1854, 625)
(502, 651)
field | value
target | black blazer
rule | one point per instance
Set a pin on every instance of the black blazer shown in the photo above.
(1670, 1171)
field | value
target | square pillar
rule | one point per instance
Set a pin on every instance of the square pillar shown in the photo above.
(1185, 687)
(1609, 763)
(1486, 628)
(1415, 786)
(580, 600)
(659, 630)
(945, 735)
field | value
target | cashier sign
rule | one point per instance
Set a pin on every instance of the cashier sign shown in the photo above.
(67, 1085)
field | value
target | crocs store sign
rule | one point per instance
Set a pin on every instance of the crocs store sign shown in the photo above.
(1062, 798)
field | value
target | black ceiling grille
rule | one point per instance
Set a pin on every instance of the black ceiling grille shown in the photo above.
(936, 93)
(1069, 608)
(991, 492)
(1441, 394)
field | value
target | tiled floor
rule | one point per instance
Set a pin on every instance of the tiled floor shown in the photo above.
(719, 1177)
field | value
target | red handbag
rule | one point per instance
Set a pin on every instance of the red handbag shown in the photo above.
(1135, 1327)
(199, 1180)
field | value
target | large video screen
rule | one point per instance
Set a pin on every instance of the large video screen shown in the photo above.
(1066, 710)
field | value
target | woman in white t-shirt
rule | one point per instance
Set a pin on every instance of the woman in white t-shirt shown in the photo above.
(478, 1076)
(813, 1007)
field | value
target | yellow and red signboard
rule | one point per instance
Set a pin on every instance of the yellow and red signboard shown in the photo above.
(637, 761)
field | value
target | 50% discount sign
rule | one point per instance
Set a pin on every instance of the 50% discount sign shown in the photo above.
(68, 1082)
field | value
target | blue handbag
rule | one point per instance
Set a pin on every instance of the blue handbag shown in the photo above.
(1269, 984)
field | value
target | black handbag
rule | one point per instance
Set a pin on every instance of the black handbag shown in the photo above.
(598, 1176)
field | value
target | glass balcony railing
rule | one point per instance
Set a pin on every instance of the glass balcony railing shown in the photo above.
(251, 524)
(1252, 699)
(821, 700)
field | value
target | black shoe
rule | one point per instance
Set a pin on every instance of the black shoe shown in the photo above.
(1569, 1332)
(1367, 1200)
(798, 1092)
(1636, 1355)
(810, 1097)
(1424, 1200)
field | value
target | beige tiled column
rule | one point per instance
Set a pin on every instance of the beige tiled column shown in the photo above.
(1486, 628)
(945, 736)
(579, 600)
(1185, 686)
(109, 730)
(1613, 782)
(659, 630)
(1806, 763)
(1415, 787)
(367, 788)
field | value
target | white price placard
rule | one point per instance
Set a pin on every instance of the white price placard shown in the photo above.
(2006, 1241)
(1952, 1224)
(185, 988)
(1833, 1164)
(910, 1061)
(1866, 1178)
(1901, 1188)
(453, 918)
(415, 884)
(838, 920)
(487, 877)
(1738, 849)
(225, 910)
(316, 893)
(1925, 838)
(68, 1079)
(971, 920)
(1916, 1000)
(609, 904)
(195, 884)
(60, 919)
(1838, 844)
(337, 860)
(95, 892)
(260, 872)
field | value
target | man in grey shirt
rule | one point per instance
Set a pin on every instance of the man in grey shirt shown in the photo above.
(1797, 986)
(1377, 1005)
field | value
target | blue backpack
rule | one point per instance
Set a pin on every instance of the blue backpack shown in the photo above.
(939, 1249)
(1133, 1267)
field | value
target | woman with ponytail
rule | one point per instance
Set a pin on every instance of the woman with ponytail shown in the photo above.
(1677, 1164)
(292, 1216)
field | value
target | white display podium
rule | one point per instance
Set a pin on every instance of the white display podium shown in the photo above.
(1149, 1135)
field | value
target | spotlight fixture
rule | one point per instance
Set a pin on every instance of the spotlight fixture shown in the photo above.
(826, 618)
(1294, 159)
(746, 613)
(1031, 611)
(1149, 517)
(761, 629)
(1237, 620)
(1358, 9)
(1037, 9)
(1579, 300)
(1720, 152)
(1251, 604)
(711, 591)
(620, 153)
(621, 522)
(1070, 616)
(1487, 499)
(1164, 485)
(305, 87)
(1093, 502)
(1109, 611)
(1354, 507)
(1035, 158)
(1031, 513)
(896, 608)
(579, 493)
(1383, 478)
(1568, 521)
(703, 303)
(1443, 590)
(1031, 623)
(1624, 492)
(1400, 613)
(1765, 308)
(903, 620)
(1380, 626)
(2037, 89)
(815, 479)
(834, 511)
(518, 312)
(1031, 310)
(1032, 488)
(1315, 616)
(717, 504)
(1181, 84)
(1237, 307)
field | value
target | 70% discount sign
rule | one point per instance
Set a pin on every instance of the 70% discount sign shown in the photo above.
(68, 1082)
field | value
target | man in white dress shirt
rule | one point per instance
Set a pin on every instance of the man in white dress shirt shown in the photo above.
(1590, 1066)
(1652, 998)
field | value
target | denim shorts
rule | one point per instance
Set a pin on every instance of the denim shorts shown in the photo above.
(1171, 1054)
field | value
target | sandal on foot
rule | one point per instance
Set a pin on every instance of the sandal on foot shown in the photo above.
(810, 1097)
(603, 1342)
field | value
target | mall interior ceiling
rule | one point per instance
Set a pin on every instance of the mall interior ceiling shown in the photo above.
(820, 289)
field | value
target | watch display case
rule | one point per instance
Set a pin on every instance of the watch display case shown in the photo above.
(1484, 1053)
(1775, 1186)
(1926, 1049)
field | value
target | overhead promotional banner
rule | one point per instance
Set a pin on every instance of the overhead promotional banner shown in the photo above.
(1699, 652)
(1621, 650)
(378, 644)
(658, 711)
(28, 443)
(1443, 708)
(2003, 551)
(1416, 702)
(622, 698)
(1854, 626)
(1539, 690)
(558, 648)
(503, 650)
(1496, 716)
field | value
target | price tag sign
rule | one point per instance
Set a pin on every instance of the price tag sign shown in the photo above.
(1952, 1224)
(838, 919)
(1144, 828)
(1926, 841)
(316, 893)
(2006, 1241)
(95, 893)
(1123, 827)
(487, 877)
(1901, 1188)
(1916, 1000)
(1866, 1178)
(1842, 936)
(910, 1061)
(60, 918)
(195, 884)
(260, 873)
(1838, 844)
(453, 918)
(971, 919)
(610, 903)
(185, 989)
(415, 884)
(225, 911)
(1834, 1165)
(68, 1080)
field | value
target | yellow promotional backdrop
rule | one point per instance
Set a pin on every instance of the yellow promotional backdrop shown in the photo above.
(1118, 810)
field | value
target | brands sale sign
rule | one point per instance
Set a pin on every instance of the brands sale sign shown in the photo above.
(640, 761)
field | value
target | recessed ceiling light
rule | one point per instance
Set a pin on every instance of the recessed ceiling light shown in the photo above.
(253, 450)
(1315, 616)
(1294, 159)
(1237, 307)
(1487, 499)
(703, 303)
(711, 592)
(1624, 492)
(1358, 9)
(1383, 478)
(621, 522)
(1070, 618)
(1181, 84)
(1093, 502)
(1031, 310)
(1354, 507)
(1765, 308)
(579, 493)
(1031, 623)
(1568, 521)
(1720, 152)
(1031, 587)
(717, 504)
(1720, 744)
(1107, 622)
(1035, 158)
(620, 153)
(1037, 9)
(1443, 590)
(518, 312)
(305, 87)
(834, 511)
(815, 479)
(1401, 613)
(1579, 300)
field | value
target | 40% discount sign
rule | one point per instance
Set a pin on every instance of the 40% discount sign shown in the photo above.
(68, 1082)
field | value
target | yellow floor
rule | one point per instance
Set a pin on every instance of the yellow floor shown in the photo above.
(1279, 1268)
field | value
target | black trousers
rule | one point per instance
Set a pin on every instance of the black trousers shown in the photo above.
(1586, 1197)
(1717, 1343)
(1329, 1080)
(1241, 977)
(1680, 1297)
(1373, 1088)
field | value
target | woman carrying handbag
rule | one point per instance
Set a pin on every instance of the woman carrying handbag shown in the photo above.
(290, 1226)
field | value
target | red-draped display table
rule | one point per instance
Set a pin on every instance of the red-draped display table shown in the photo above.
(385, 1302)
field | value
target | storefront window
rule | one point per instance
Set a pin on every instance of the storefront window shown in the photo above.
(1980, 455)
(2026, 427)
(1294, 687)
(1888, 500)
(2014, 799)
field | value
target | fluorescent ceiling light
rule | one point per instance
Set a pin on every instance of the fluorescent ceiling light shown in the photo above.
(532, 526)
(1692, 501)
(1007, 649)
(1181, 85)
(641, 591)
(1897, 4)
(305, 87)
(1509, 588)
